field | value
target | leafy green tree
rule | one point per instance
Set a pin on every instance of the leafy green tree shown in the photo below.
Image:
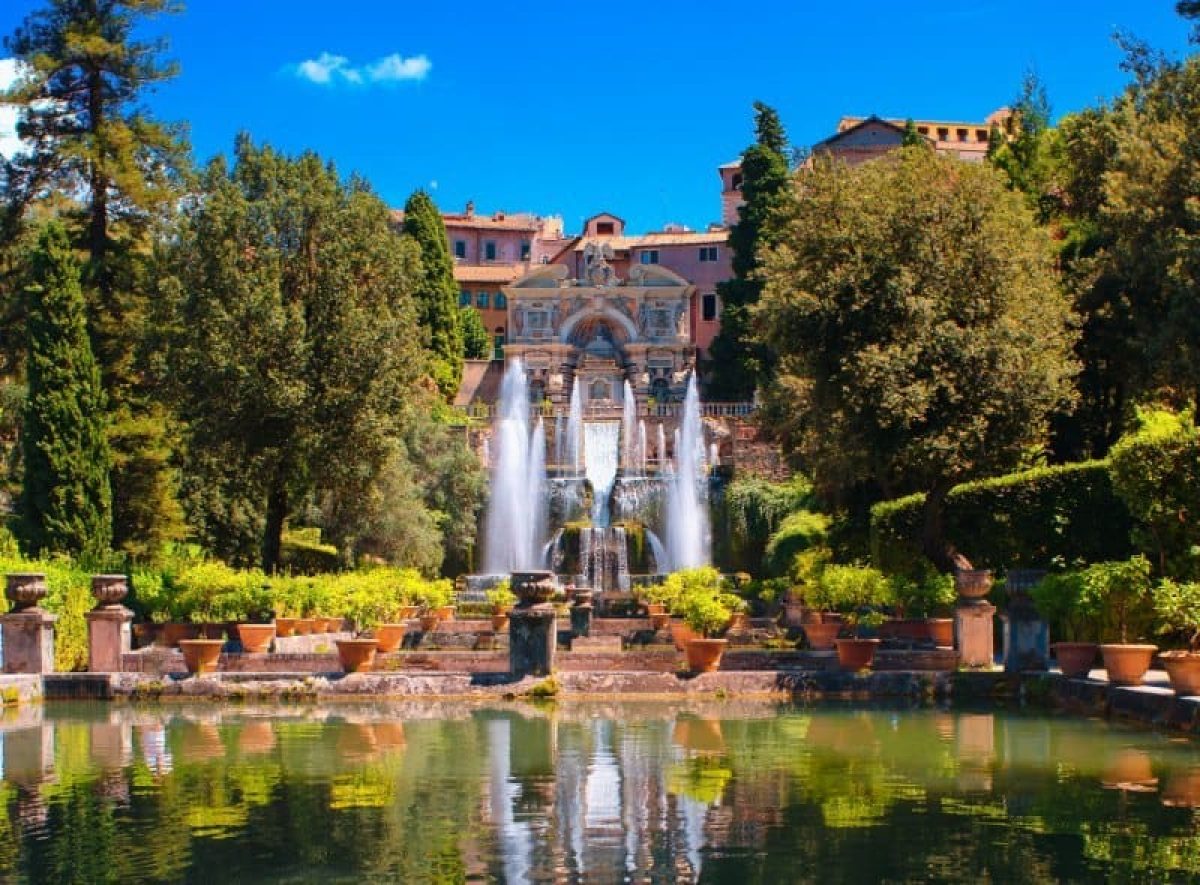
(922, 338)
(294, 349)
(477, 342)
(1024, 148)
(912, 136)
(437, 292)
(738, 362)
(65, 504)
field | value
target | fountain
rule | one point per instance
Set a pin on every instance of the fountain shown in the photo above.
(542, 518)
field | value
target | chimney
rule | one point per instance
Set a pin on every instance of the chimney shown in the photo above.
(470, 208)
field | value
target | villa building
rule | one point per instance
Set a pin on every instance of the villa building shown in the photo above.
(859, 139)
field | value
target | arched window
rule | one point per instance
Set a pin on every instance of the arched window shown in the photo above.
(736, 182)
(500, 301)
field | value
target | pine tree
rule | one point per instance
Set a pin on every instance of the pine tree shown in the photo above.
(65, 500)
(737, 362)
(477, 343)
(912, 136)
(437, 292)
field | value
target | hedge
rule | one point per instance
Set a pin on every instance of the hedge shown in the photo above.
(1065, 515)
(798, 532)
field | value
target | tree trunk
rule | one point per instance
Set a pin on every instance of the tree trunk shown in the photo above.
(98, 210)
(936, 547)
(277, 505)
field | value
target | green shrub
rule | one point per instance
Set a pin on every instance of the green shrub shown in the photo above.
(501, 597)
(797, 532)
(301, 552)
(1177, 606)
(751, 510)
(929, 595)
(1120, 593)
(1062, 516)
(678, 585)
(1156, 472)
(1061, 599)
(849, 588)
(213, 592)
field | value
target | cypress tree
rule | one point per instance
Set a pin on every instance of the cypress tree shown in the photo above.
(437, 292)
(737, 362)
(66, 502)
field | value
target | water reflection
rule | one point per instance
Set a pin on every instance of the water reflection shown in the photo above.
(582, 793)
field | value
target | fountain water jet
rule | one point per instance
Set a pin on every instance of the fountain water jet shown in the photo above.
(687, 505)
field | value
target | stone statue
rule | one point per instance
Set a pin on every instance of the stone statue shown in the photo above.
(596, 269)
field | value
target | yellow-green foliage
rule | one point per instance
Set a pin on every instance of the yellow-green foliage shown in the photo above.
(70, 597)
(212, 591)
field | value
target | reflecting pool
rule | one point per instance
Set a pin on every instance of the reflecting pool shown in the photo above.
(638, 792)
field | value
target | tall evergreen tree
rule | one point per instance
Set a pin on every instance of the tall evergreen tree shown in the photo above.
(437, 292)
(65, 499)
(101, 162)
(912, 136)
(737, 362)
(477, 342)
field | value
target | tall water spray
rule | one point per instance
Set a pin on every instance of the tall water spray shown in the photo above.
(516, 508)
(575, 427)
(642, 456)
(629, 453)
(601, 456)
(687, 505)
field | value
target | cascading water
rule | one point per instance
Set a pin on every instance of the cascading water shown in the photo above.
(516, 507)
(622, 551)
(662, 448)
(687, 506)
(658, 551)
(642, 457)
(574, 427)
(600, 454)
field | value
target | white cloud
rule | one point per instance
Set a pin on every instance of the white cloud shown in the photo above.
(328, 69)
(9, 143)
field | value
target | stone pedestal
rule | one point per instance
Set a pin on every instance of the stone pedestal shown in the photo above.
(1026, 635)
(108, 637)
(582, 612)
(532, 637)
(28, 641)
(973, 634)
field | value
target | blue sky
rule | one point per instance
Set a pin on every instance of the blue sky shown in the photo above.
(577, 108)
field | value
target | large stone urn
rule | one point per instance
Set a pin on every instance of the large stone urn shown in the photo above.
(109, 590)
(973, 618)
(533, 588)
(28, 630)
(109, 634)
(25, 590)
(532, 625)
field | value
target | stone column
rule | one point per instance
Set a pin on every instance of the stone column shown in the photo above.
(532, 625)
(582, 611)
(28, 629)
(108, 624)
(1026, 635)
(973, 619)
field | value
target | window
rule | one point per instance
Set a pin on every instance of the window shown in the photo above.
(605, 229)
(708, 308)
(962, 134)
(464, 298)
(981, 135)
(599, 390)
(525, 250)
(943, 133)
(649, 256)
(498, 345)
(482, 299)
(500, 301)
(736, 181)
(708, 253)
(489, 250)
(924, 130)
(460, 248)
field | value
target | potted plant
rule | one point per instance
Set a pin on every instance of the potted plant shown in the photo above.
(667, 593)
(434, 597)
(703, 607)
(858, 593)
(286, 603)
(1059, 597)
(254, 629)
(926, 602)
(1122, 591)
(357, 654)
(1177, 606)
(502, 600)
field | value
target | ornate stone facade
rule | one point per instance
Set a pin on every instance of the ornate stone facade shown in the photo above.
(602, 330)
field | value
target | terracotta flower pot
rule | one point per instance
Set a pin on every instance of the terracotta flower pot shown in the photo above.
(389, 636)
(445, 613)
(941, 631)
(704, 655)
(1183, 668)
(429, 622)
(408, 612)
(1075, 659)
(256, 638)
(1127, 663)
(175, 631)
(681, 634)
(499, 622)
(304, 626)
(201, 655)
(356, 655)
(738, 623)
(334, 625)
(821, 636)
(659, 621)
(285, 626)
(856, 654)
(655, 608)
